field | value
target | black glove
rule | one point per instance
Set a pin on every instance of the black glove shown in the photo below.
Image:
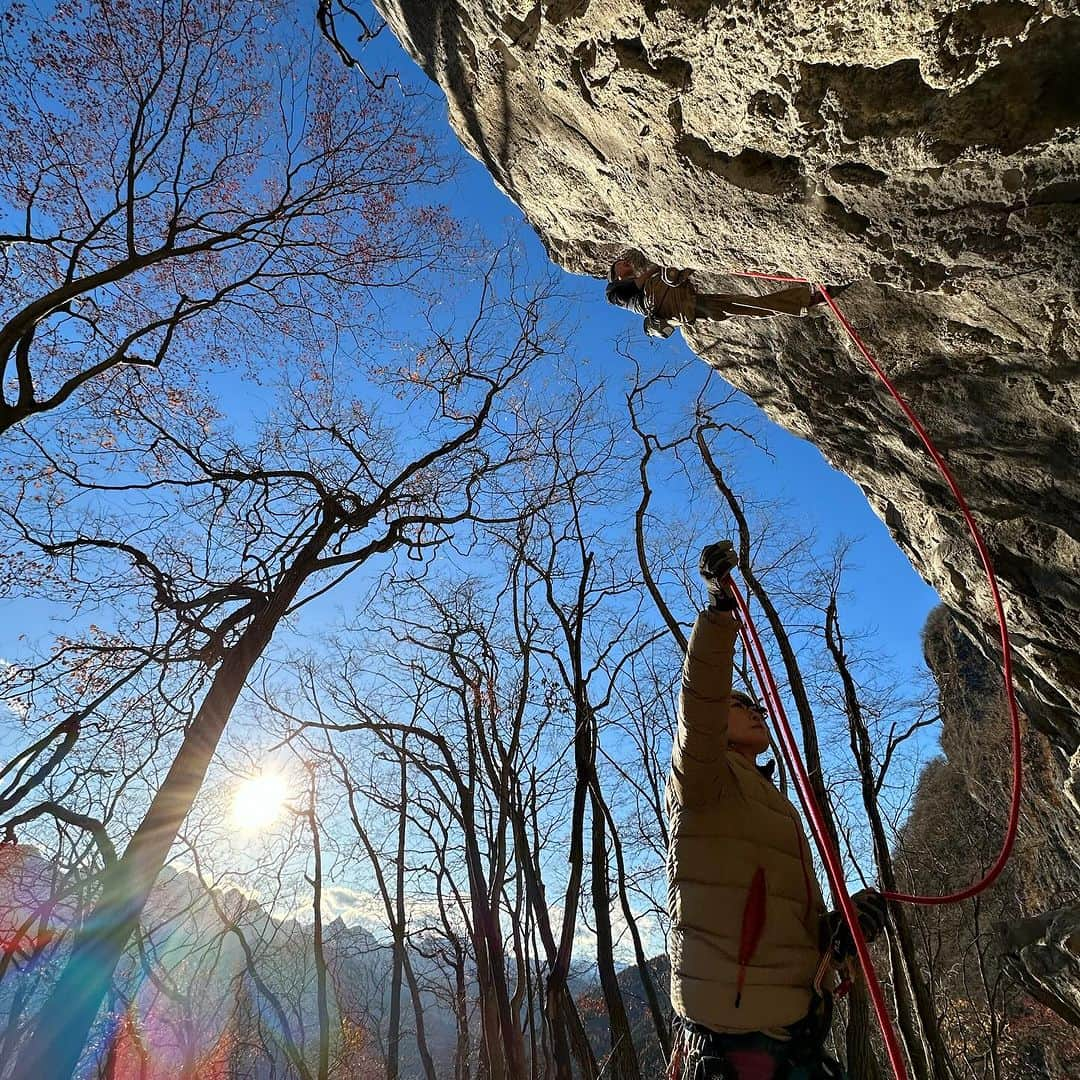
(872, 910)
(715, 566)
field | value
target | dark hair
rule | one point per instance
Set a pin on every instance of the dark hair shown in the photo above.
(626, 294)
(744, 699)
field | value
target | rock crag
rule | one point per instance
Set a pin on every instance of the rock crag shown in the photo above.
(953, 831)
(926, 151)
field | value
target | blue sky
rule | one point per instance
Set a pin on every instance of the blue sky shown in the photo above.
(886, 595)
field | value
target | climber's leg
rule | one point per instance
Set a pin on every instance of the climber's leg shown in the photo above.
(717, 306)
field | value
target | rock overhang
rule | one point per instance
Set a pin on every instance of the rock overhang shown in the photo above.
(931, 155)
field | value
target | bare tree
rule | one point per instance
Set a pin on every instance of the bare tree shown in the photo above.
(394, 904)
(316, 501)
(914, 1004)
(322, 1003)
(185, 181)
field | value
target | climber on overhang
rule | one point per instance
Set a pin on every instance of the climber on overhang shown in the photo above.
(753, 950)
(667, 298)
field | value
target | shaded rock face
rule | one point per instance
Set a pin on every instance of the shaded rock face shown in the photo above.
(1043, 955)
(926, 151)
(958, 817)
(1045, 866)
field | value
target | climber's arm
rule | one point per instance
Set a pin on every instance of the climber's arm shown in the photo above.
(699, 764)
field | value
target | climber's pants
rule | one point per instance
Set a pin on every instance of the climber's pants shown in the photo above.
(702, 1054)
(718, 306)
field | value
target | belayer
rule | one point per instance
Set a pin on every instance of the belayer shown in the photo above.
(667, 298)
(752, 947)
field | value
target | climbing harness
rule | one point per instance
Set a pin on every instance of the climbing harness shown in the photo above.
(790, 750)
(702, 1054)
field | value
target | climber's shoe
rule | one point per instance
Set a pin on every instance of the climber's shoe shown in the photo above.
(817, 297)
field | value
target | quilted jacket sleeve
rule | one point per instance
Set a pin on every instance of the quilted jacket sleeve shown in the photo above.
(699, 764)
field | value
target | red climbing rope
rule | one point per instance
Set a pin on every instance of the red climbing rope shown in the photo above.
(1006, 657)
(833, 867)
(790, 748)
(1009, 839)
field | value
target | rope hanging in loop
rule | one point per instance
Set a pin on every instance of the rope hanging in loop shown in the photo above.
(1016, 791)
(1009, 839)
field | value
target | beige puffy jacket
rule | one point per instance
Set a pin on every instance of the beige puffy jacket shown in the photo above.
(744, 902)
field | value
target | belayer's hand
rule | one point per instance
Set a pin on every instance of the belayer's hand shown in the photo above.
(715, 566)
(873, 911)
(871, 908)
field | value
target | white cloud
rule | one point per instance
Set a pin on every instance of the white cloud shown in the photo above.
(652, 937)
(365, 908)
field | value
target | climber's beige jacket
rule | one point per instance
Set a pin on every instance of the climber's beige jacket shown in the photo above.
(669, 294)
(745, 905)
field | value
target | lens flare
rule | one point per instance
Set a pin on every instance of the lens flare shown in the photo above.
(259, 801)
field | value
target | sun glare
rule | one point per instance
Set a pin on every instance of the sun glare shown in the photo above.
(259, 801)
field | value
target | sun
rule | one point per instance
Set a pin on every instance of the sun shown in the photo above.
(258, 801)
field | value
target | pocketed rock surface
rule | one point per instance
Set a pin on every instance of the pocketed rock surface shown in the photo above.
(926, 151)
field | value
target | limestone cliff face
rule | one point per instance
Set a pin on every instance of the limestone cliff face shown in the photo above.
(926, 150)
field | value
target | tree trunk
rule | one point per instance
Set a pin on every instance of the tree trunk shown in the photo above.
(623, 1063)
(395, 917)
(461, 1019)
(321, 1001)
(492, 1051)
(916, 1014)
(663, 1035)
(426, 1060)
(62, 1026)
(393, 1037)
(861, 1060)
(557, 989)
(502, 1037)
(906, 1018)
